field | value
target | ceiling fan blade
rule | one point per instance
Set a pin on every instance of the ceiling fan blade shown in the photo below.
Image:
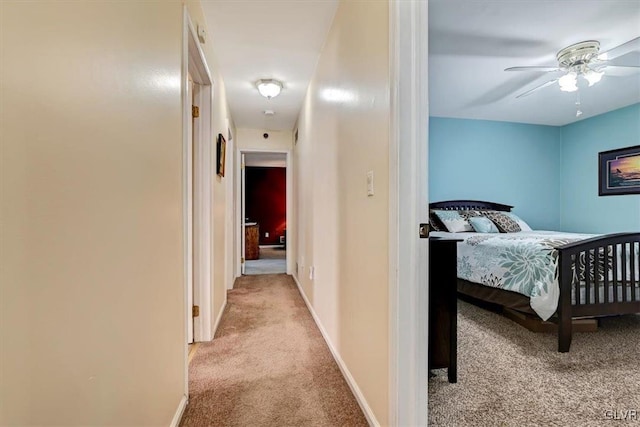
(623, 49)
(621, 66)
(533, 68)
(543, 85)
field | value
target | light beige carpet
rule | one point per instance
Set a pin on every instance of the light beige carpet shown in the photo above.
(509, 376)
(268, 365)
(273, 260)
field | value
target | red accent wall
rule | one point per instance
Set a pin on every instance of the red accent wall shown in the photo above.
(266, 201)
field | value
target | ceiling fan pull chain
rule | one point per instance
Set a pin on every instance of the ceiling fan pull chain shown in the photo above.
(578, 111)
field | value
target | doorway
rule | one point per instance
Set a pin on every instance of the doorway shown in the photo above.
(264, 214)
(197, 202)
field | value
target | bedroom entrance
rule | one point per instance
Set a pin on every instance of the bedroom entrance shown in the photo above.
(264, 201)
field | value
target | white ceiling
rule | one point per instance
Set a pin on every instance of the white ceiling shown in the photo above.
(263, 39)
(471, 42)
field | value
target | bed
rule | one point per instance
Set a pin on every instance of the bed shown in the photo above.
(575, 275)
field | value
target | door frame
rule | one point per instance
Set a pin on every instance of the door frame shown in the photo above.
(196, 254)
(238, 217)
(408, 187)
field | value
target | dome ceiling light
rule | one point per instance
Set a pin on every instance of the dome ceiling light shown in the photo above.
(269, 88)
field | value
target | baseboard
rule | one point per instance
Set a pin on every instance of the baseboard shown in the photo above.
(177, 417)
(215, 325)
(366, 409)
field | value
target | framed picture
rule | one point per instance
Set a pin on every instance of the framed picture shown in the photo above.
(221, 149)
(619, 171)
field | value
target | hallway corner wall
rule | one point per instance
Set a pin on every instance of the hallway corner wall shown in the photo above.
(343, 133)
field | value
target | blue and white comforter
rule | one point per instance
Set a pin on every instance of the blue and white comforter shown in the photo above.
(524, 262)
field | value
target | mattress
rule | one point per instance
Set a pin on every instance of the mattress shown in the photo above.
(524, 262)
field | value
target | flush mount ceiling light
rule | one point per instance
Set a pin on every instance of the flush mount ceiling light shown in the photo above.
(269, 88)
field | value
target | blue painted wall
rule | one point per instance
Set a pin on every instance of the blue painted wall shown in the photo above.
(581, 208)
(511, 163)
(550, 174)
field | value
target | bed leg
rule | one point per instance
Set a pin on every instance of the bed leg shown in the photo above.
(564, 335)
(564, 303)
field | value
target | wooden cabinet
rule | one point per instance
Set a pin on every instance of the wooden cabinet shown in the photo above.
(251, 240)
(443, 305)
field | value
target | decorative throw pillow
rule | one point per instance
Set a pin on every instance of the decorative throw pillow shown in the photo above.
(456, 221)
(483, 225)
(523, 225)
(502, 221)
(435, 223)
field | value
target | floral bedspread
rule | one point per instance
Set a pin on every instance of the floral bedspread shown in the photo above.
(524, 262)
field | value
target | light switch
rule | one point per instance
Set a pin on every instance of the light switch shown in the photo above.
(370, 183)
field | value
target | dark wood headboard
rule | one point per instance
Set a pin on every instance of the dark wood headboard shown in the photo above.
(460, 205)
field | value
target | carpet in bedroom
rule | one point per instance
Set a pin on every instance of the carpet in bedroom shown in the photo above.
(268, 365)
(509, 376)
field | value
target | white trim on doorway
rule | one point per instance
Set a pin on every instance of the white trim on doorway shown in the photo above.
(196, 188)
(238, 216)
(408, 254)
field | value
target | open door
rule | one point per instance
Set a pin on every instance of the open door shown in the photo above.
(243, 207)
(189, 242)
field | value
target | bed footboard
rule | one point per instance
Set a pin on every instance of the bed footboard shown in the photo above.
(597, 277)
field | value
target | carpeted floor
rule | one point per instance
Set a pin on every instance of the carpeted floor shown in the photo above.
(273, 260)
(509, 376)
(268, 365)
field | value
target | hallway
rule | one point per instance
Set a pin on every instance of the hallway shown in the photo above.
(268, 364)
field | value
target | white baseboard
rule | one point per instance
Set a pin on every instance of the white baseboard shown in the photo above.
(175, 422)
(215, 325)
(366, 409)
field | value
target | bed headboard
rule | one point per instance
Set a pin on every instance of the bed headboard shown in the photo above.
(460, 205)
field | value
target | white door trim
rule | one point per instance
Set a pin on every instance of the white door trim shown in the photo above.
(194, 63)
(243, 213)
(239, 210)
(408, 255)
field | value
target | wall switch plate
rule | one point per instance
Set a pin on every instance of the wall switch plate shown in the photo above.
(266, 234)
(311, 272)
(370, 183)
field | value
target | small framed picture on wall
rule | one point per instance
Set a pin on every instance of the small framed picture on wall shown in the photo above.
(221, 150)
(619, 171)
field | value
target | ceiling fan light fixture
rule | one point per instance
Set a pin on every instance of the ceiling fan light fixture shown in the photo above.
(593, 77)
(269, 88)
(568, 82)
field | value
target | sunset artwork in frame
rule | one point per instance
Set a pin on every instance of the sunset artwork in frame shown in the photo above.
(619, 171)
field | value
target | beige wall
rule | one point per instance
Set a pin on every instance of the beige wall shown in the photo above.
(343, 233)
(92, 302)
(252, 139)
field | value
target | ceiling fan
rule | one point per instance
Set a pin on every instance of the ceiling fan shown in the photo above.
(584, 60)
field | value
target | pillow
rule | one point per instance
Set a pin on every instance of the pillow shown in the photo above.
(435, 223)
(483, 225)
(523, 225)
(456, 221)
(502, 221)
